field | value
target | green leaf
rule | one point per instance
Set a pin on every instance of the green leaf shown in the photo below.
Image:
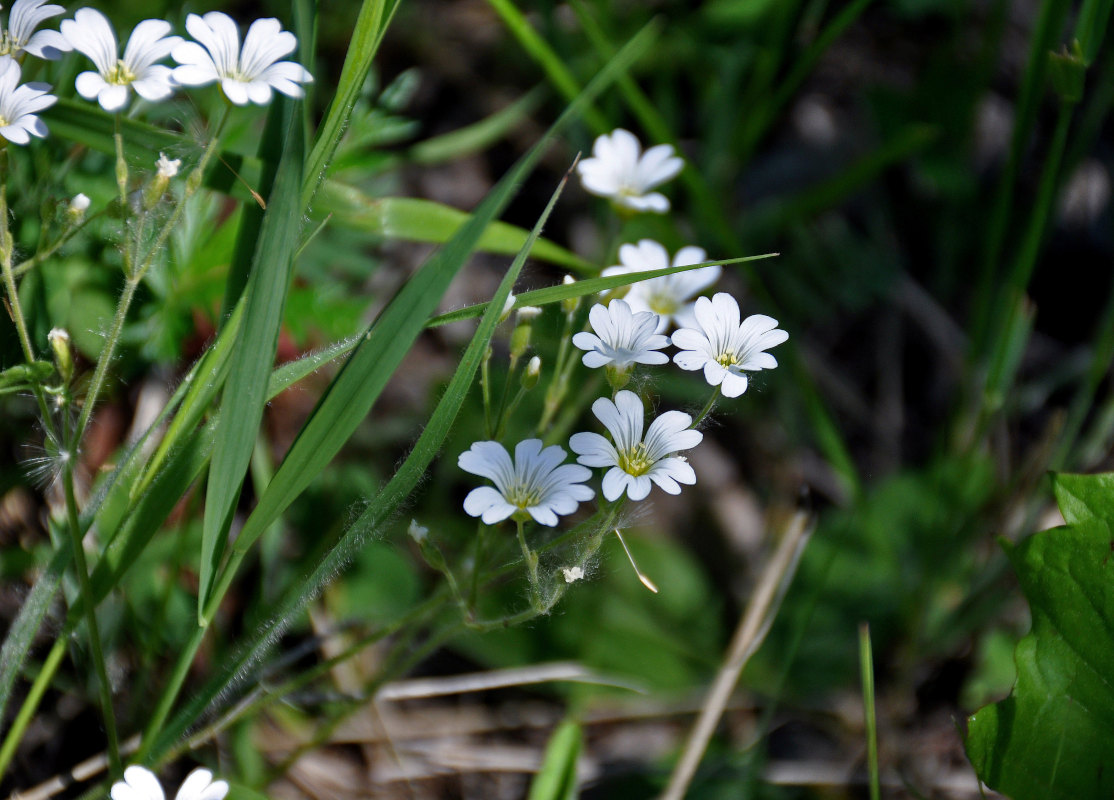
(253, 352)
(1084, 497)
(420, 220)
(1050, 739)
(371, 25)
(22, 376)
(556, 780)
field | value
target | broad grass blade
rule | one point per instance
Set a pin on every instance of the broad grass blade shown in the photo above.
(253, 352)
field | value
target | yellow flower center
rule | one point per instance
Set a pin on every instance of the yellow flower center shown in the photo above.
(523, 496)
(728, 359)
(120, 74)
(635, 461)
(664, 304)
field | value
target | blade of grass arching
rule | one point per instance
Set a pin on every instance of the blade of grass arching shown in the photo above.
(478, 136)
(253, 353)
(1090, 28)
(156, 738)
(352, 393)
(588, 286)
(1049, 25)
(418, 220)
(371, 25)
(553, 65)
(556, 780)
(866, 662)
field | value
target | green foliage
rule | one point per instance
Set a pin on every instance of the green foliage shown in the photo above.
(1050, 737)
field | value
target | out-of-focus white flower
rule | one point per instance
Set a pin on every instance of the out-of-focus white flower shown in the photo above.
(670, 297)
(621, 172)
(725, 348)
(167, 167)
(89, 32)
(141, 784)
(536, 484)
(635, 461)
(79, 204)
(19, 104)
(247, 75)
(621, 337)
(572, 574)
(419, 533)
(20, 35)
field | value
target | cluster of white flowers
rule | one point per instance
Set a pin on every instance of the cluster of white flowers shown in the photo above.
(710, 336)
(247, 74)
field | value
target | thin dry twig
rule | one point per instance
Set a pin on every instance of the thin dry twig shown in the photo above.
(752, 629)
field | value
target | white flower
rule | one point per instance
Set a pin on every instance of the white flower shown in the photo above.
(572, 574)
(537, 483)
(621, 337)
(246, 75)
(20, 36)
(635, 461)
(18, 104)
(167, 167)
(670, 297)
(621, 172)
(141, 784)
(91, 33)
(723, 347)
(79, 204)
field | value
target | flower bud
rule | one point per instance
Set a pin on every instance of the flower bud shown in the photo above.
(571, 304)
(507, 307)
(166, 168)
(63, 353)
(77, 208)
(532, 374)
(523, 330)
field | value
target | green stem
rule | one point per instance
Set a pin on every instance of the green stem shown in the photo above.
(105, 358)
(707, 408)
(29, 264)
(477, 560)
(866, 660)
(82, 568)
(531, 559)
(485, 389)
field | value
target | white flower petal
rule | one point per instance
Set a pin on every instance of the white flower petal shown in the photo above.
(733, 385)
(91, 34)
(113, 97)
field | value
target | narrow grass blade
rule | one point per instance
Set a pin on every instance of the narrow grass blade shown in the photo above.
(556, 780)
(588, 286)
(253, 352)
(478, 136)
(866, 664)
(353, 392)
(17, 644)
(371, 25)
(420, 220)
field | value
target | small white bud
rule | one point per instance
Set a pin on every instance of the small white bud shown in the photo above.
(417, 532)
(79, 204)
(167, 167)
(507, 306)
(572, 303)
(527, 314)
(572, 574)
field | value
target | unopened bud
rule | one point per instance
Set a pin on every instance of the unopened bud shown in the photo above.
(523, 330)
(532, 374)
(507, 307)
(570, 304)
(63, 354)
(77, 208)
(417, 532)
(572, 574)
(527, 314)
(166, 168)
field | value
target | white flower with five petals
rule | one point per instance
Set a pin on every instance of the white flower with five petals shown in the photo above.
(89, 32)
(536, 484)
(21, 37)
(141, 784)
(246, 75)
(670, 297)
(725, 348)
(636, 462)
(621, 337)
(621, 172)
(19, 104)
